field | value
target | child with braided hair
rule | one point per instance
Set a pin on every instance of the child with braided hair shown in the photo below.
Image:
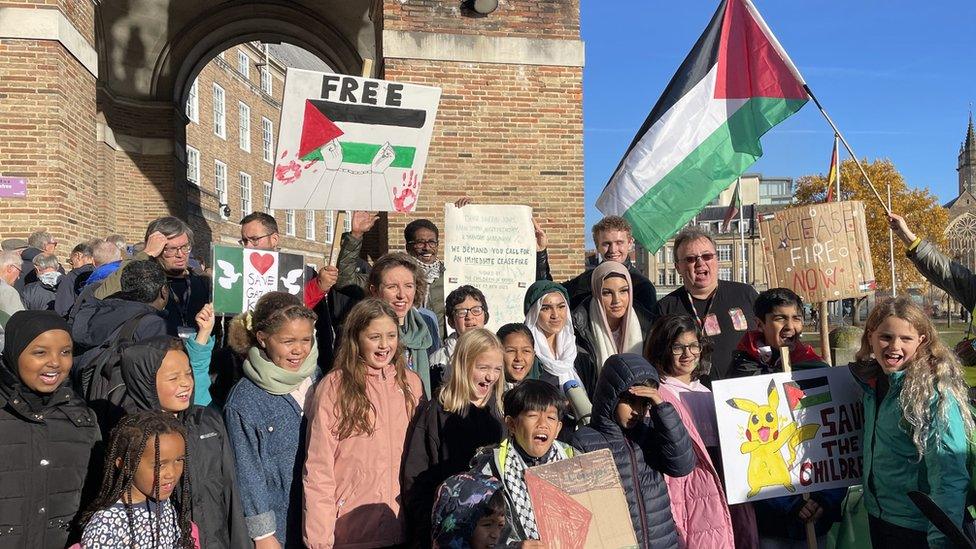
(144, 463)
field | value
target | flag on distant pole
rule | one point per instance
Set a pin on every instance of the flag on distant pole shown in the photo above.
(832, 174)
(734, 207)
(704, 131)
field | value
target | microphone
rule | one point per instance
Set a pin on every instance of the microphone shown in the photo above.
(578, 401)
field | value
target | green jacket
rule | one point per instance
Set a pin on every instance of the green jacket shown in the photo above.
(113, 282)
(892, 468)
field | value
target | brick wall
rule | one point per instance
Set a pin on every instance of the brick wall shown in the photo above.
(524, 18)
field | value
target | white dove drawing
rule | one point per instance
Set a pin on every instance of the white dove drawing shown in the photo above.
(230, 276)
(290, 279)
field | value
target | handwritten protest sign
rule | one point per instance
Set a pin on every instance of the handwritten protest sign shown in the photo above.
(580, 503)
(351, 143)
(784, 434)
(820, 251)
(492, 248)
(242, 276)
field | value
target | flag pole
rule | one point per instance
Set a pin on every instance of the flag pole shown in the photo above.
(742, 242)
(847, 146)
(891, 250)
(837, 155)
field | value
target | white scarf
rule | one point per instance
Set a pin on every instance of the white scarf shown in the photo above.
(604, 344)
(563, 363)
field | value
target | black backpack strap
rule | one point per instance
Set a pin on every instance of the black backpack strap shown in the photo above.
(128, 329)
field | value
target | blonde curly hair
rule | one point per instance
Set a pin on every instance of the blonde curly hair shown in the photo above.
(933, 374)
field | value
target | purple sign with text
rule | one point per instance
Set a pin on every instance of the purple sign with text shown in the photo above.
(13, 187)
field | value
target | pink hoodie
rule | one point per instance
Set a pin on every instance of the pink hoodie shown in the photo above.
(352, 486)
(697, 500)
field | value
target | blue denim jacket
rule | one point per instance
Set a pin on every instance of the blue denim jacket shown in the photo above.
(267, 433)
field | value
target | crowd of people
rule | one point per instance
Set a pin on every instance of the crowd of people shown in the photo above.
(375, 411)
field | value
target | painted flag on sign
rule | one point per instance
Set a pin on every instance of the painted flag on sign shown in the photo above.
(806, 393)
(242, 276)
(704, 132)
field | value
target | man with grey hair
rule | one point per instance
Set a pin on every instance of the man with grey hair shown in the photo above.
(82, 263)
(10, 301)
(169, 241)
(39, 295)
(721, 308)
(39, 241)
(119, 242)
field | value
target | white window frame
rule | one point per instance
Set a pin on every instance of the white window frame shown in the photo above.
(220, 185)
(219, 114)
(662, 277)
(244, 64)
(267, 199)
(193, 165)
(724, 252)
(267, 140)
(725, 273)
(672, 277)
(244, 126)
(193, 103)
(245, 182)
(310, 224)
(290, 222)
(267, 81)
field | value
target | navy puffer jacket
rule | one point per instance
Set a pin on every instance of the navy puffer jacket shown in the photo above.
(659, 446)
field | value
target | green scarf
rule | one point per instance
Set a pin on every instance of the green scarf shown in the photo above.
(273, 379)
(416, 339)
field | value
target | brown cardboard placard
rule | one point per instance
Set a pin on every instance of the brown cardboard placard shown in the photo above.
(580, 503)
(819, 251)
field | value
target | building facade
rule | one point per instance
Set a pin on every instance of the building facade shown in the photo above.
(94, 97)
(740, 255)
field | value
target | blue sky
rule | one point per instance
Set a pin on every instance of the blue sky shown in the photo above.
(896, 76)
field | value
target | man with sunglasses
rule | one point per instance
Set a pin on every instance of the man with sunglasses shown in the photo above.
(169, 241)
(721, 308)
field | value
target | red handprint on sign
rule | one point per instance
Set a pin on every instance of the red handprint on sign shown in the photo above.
(405, 196)
(288, 173)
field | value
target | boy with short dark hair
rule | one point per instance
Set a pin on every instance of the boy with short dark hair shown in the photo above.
(532, 416)
(647, 439)
(779, 318)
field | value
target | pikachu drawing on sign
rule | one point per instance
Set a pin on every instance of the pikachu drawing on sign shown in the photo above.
(765, 439)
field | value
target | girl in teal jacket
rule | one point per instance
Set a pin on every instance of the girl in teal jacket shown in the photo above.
(916, 425)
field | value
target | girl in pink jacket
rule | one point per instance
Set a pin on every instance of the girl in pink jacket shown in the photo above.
(357, 434)
(697, 500)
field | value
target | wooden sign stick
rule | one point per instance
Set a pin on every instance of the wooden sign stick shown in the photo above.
(784, 353)
(337, 226)
(825, 334)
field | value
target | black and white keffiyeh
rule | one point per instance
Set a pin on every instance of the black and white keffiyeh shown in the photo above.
(515, 466)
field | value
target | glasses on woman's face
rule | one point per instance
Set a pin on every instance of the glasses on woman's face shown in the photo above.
(474, 311)
(678, 349)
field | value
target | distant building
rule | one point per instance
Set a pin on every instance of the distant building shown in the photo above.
(739, 259)
(961, 229)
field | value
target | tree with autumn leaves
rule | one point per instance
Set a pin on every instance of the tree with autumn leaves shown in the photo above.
(919, 207)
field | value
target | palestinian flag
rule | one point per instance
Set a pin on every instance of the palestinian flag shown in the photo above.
(704, 132)
(319, 126)
(832, 175)
(241, 276)
(807, 393)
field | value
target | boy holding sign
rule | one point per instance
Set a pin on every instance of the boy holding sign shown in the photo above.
(779, 319)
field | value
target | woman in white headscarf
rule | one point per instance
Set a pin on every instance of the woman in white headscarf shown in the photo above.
(609, 322)
(547, 316)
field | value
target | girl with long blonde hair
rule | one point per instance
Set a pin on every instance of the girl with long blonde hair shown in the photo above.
(917, 425)
(465, 415)
(357, 433)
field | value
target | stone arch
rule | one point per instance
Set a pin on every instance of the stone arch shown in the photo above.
(961, 235)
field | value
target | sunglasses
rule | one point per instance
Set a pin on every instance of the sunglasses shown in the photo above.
(692, 259)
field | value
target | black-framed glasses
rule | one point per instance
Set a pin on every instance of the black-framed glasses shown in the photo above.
(172, 252)
(678, 349)
(692, 259)
(423, 243)
(255, 239)
(474, 311)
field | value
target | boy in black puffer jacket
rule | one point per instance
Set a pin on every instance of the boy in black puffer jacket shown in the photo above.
(645, 445)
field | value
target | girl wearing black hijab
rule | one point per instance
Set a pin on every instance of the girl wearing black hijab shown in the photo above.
(46, 433)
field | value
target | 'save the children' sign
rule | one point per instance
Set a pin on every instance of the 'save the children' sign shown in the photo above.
(789, 433)
(819, 251)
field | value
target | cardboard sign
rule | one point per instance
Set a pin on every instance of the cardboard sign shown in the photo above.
(580, 503)
(13, 187)
(821, 252)
(493, 249)
(784, 434)
(351, 143)
(241, 276)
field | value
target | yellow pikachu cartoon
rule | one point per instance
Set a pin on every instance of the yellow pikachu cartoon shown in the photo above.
(764, 442)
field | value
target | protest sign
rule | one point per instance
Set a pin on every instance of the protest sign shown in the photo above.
(241, 276)
(351, 143)
(789, 433)
(492, 248)
(580, 503)
(819, 251)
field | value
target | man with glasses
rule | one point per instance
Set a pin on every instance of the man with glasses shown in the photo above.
(169, 241)
(10, 301)
(721, 308)
(39, 242)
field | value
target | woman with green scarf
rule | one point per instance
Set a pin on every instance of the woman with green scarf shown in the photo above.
(397, 279)
(265, 415)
